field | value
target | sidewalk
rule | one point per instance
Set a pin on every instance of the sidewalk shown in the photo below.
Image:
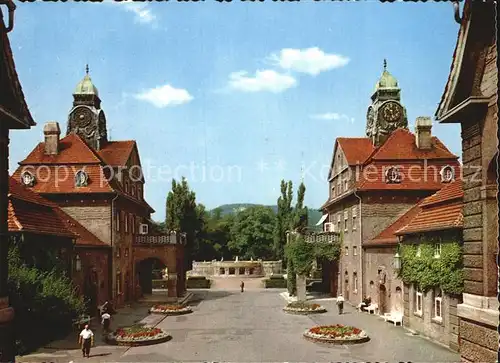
(68, 349)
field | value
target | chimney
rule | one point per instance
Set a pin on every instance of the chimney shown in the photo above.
(423, 135)
(51, 132)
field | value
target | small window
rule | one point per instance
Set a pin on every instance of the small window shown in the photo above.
(126, 252)
(118, 250)
(346, 185)
(81, 179)
(354, 215)
(355, 250)
(28, 179)
(347, 251)
(117, 220)
(139, 193)
(355, 282)
(437, 250)
(118, 283)
(133, 191)
(438, 304)
(392, 175)
(447, 174)
(125, 218)
(418, 300)
(346, 216)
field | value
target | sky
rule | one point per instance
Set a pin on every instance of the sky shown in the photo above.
(233, 96)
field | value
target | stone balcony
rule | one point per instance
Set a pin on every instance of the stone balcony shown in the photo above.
(172, 238)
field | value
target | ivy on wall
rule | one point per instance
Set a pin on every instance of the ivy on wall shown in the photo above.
(429, 272)
(303, 254)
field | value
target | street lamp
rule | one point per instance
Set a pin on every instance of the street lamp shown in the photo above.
(397, 261)
(78, 263)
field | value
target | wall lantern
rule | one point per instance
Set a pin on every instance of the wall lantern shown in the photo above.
(78, 263)
(397, 261)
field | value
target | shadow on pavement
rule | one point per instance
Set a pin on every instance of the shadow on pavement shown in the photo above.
(199, 296)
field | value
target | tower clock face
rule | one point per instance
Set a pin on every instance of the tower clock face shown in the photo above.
(83, 117)
(392, 112)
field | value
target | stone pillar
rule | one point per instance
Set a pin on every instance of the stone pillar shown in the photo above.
(301, 288)
(7, 342)
(172, 284)
(247, 271)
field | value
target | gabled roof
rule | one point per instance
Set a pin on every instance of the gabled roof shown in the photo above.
(29, 212)
(117, 153)
(12, 101)
(440, 211)
(356, 149)
(72, 150)
(400, 145)
(388, 236)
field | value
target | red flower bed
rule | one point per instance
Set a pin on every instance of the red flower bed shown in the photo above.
(168, 307)
(137, 332)
(335, 331)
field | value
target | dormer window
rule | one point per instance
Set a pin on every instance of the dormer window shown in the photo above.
(81, 178)
(133, 191)
(447, 174)
(28, 179)
(139, 193)
(392, 175)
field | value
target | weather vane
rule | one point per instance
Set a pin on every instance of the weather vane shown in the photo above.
(87, 68)
(385, 64)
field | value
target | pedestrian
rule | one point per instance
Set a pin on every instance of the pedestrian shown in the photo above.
(106, 322)
(86, 340)
(242, 285)
(340, 303)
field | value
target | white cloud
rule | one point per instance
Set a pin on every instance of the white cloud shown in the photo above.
(265, 80)
(165, 96)
(311, 60)
(332, 116)
(143, 13)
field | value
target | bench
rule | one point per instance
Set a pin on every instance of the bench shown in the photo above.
(394, 318)
(372, 309)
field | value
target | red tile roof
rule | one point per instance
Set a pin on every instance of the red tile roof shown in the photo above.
(415, 175)
(117, 153)
(400, 145)
(29, 212)
(72, 150)
(442, 210)
(356, 149)
(54, 179)
(388, 236)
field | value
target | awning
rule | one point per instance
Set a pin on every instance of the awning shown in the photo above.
(323, 218)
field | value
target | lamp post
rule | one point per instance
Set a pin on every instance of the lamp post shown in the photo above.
(397, 261)
(78, 263)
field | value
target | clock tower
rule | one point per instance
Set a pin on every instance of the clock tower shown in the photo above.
(86, 118)
(386, 113)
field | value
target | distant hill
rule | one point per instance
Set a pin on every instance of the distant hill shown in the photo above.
(313, 214)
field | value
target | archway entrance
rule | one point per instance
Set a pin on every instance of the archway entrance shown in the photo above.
(148, 270)
(382, 299)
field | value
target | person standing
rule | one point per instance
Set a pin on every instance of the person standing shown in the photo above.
(242, 285)
(340, 303)
(86, 340)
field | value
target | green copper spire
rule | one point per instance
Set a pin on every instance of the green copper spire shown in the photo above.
(85, 86)
(387, 80)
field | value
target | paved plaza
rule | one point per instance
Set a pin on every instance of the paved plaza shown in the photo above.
(231, 326)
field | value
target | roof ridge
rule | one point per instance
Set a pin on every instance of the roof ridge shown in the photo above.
(14, 216)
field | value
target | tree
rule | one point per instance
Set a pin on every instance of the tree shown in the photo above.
(252, 233)
(282, 219)
(183, 215)
(299, 219)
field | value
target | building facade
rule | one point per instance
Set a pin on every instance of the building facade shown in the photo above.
(470, 98)
(14, 114)
(100, 184)
(373, 181)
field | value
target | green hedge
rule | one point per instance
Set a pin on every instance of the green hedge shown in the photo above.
(45, 304)
(199, 282)
(275, 283)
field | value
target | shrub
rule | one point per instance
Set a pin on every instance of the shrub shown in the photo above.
(275, 283)
(45, 304)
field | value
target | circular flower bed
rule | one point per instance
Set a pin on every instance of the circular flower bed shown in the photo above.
(303, 308)
(138, 335)
(170, 309)
(336, 334)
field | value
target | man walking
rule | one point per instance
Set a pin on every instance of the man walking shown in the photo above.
(242, 285)
(86, 340)
(106, 322)
(340, 303)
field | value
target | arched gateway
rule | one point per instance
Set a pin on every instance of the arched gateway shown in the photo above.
(159, 251)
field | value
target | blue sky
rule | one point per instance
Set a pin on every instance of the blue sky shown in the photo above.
(234, 96)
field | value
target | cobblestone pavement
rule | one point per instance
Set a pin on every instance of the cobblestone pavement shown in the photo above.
(251, 327)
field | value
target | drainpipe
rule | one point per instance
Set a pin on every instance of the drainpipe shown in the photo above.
(113, 228)
(456, 9)
(11, 8)
(361, 252)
